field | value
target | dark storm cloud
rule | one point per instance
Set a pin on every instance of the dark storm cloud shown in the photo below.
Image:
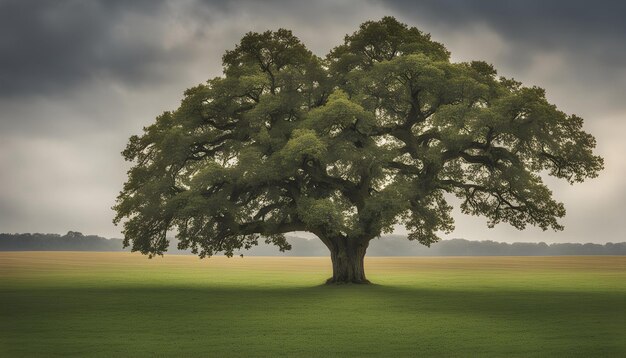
(583, 28)
(538, 21)
(49, 46)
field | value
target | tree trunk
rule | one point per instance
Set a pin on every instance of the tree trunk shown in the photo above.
(347, 258)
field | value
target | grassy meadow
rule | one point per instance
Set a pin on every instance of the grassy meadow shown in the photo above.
(122, 304)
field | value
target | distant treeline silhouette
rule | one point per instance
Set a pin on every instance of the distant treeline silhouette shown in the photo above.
(72, 241)
(399, 246)
(391, 245)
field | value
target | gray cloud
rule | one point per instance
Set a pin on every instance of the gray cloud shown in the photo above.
(50, 47)
(540, 23)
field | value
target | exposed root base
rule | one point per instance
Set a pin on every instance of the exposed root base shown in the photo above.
(332, 281)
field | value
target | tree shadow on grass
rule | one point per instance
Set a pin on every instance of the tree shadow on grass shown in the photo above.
(247, 298)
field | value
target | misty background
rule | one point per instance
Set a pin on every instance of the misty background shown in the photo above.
(77, 78)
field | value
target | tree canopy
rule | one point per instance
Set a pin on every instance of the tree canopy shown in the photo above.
(382, 131)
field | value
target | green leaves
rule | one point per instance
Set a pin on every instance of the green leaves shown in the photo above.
(324, 213)
(303, 146)
(339, 114)
(347, 147)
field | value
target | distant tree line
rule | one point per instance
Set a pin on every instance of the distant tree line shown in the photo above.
(72, 241)
(394, 246)
(391, 245)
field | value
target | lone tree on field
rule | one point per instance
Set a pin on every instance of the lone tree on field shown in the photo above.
(345, 147)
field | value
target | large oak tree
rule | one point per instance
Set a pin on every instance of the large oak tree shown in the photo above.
(381, 132)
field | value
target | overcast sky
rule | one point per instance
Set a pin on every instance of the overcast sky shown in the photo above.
(77, 78)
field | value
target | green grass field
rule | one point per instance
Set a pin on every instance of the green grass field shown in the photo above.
(122, 304)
